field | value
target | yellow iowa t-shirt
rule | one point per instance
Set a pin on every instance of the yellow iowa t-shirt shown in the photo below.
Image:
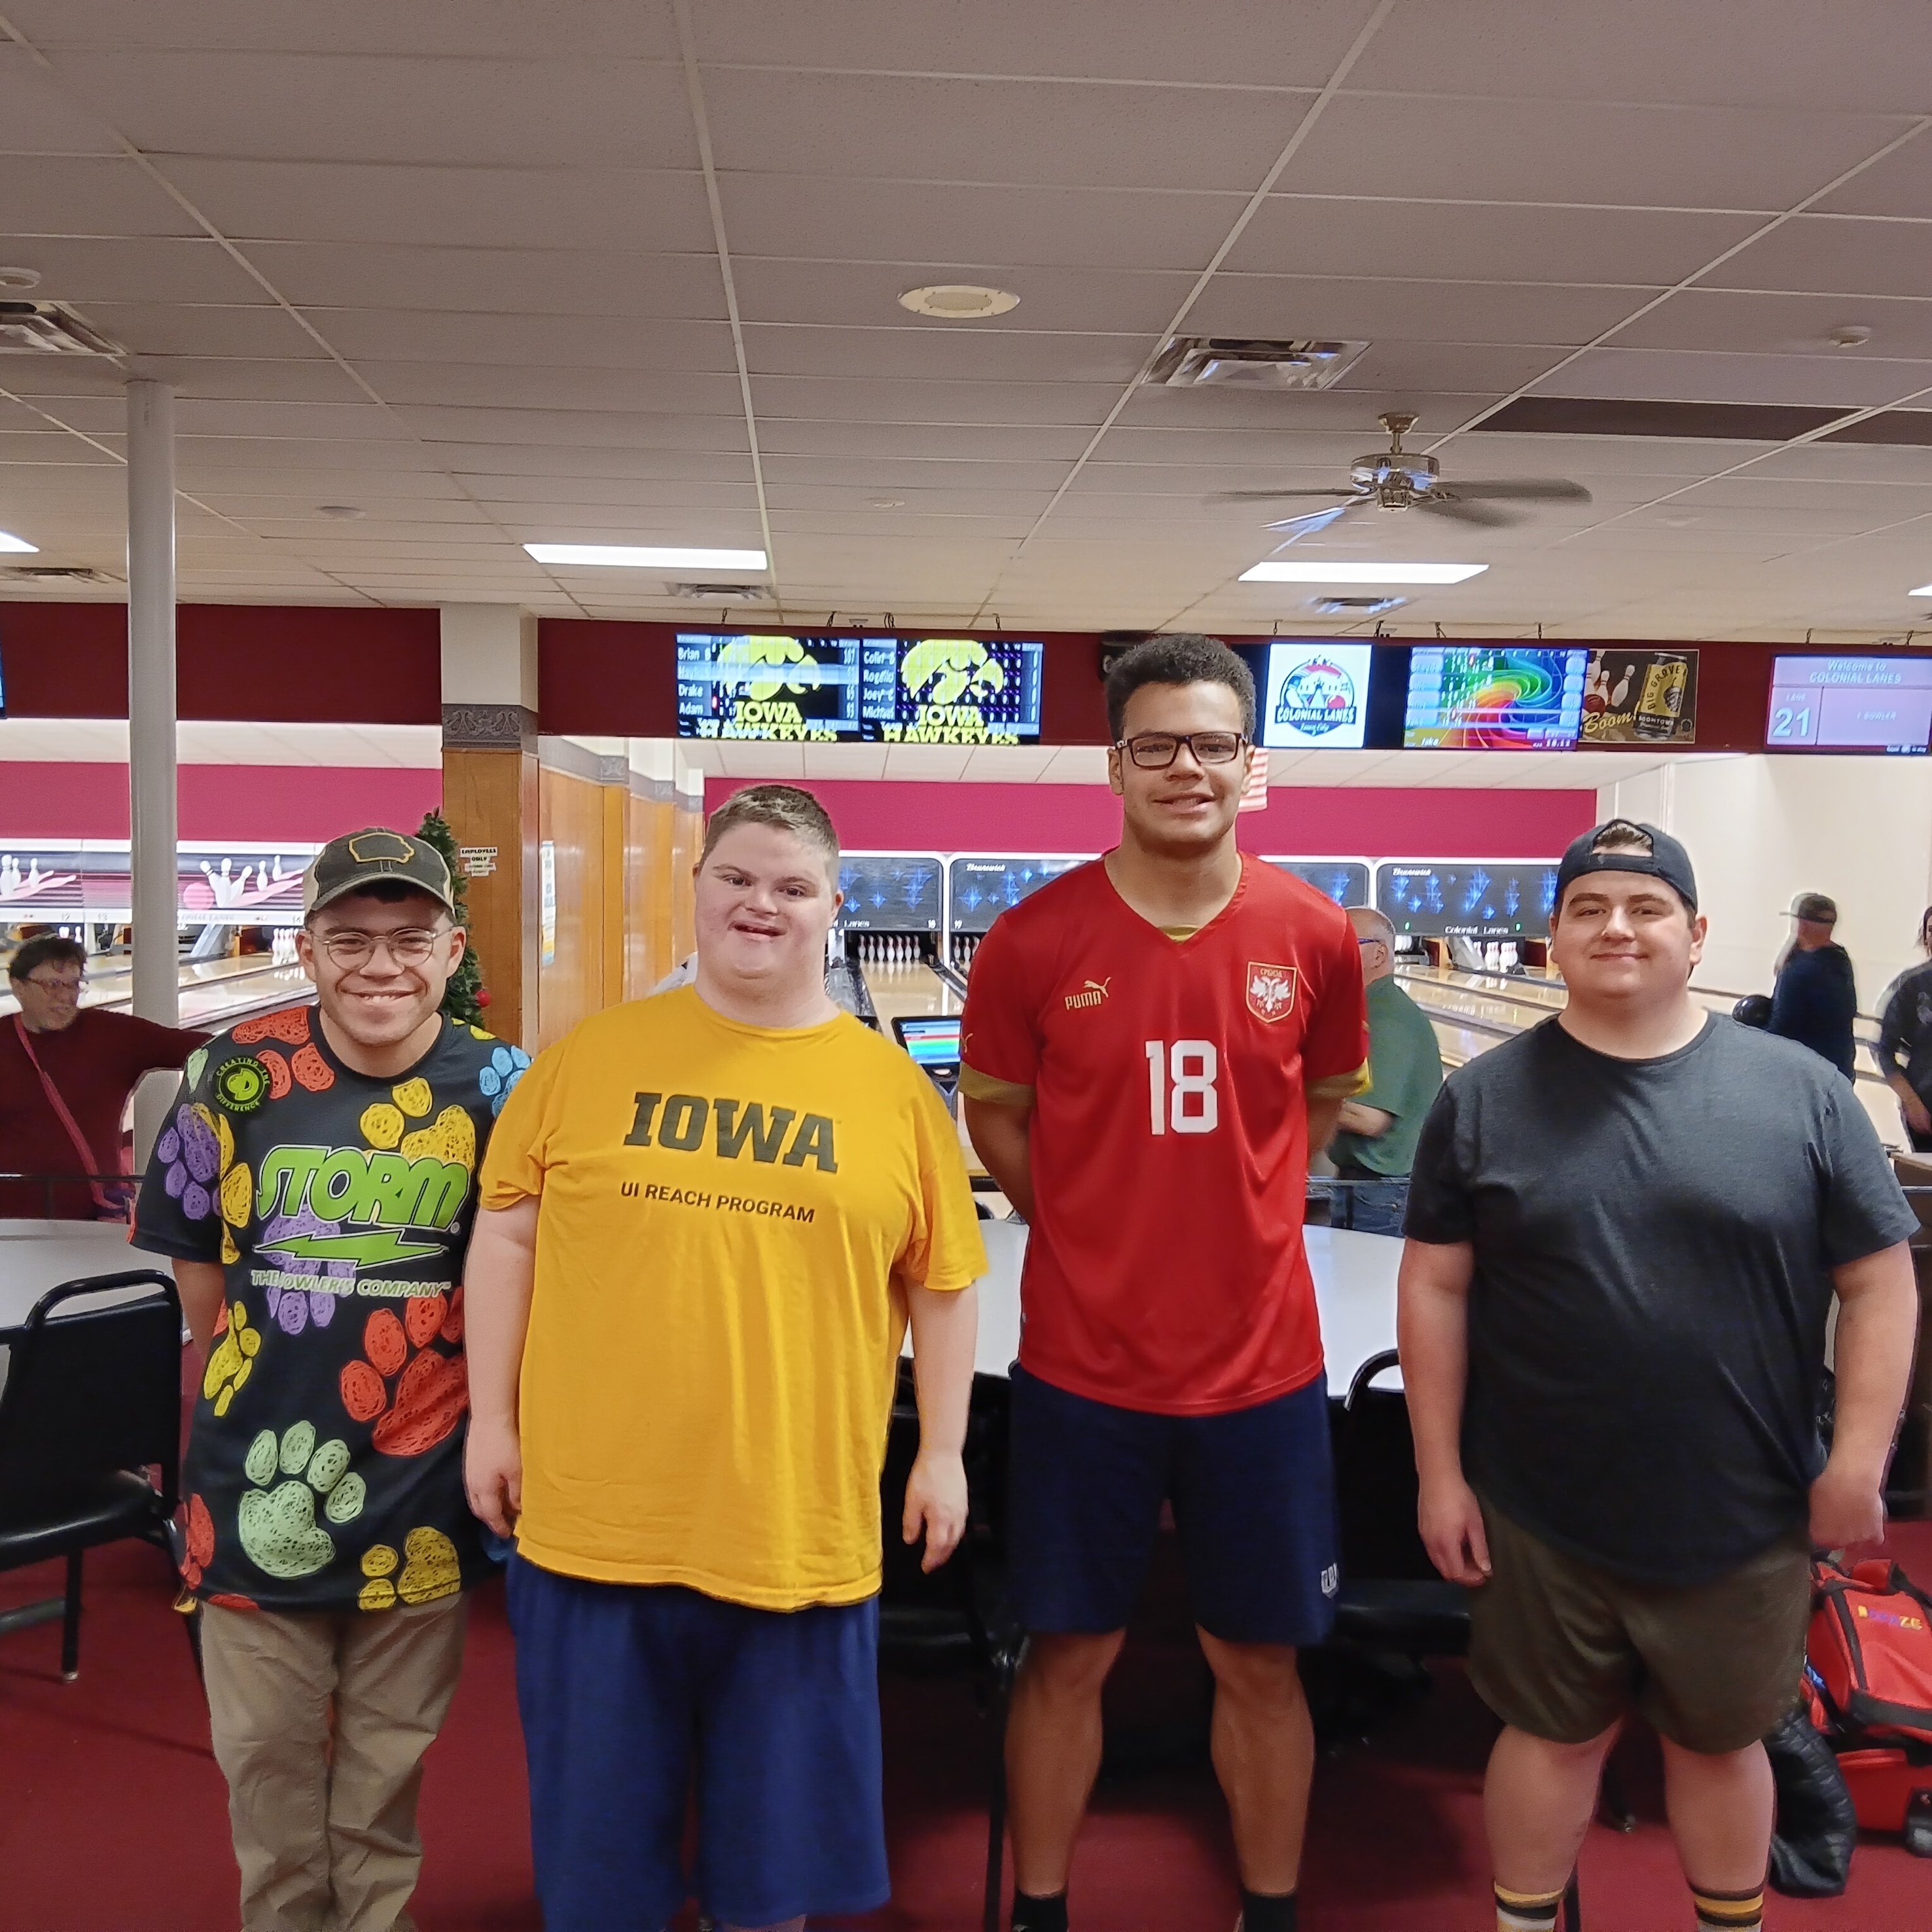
(714, 1332)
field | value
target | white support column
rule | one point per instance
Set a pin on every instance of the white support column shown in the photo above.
(150, 698)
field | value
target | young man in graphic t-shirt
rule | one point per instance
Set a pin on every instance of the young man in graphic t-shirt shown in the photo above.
(316, 1184)
(709, 1217)
(1152, 1044)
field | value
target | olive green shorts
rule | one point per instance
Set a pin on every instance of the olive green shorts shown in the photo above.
(1562, 1649)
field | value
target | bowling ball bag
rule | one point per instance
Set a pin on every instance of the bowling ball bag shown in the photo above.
(1752, 1010)
(1868, 1672)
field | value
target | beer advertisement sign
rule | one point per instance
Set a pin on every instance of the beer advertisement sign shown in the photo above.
(1640, 697)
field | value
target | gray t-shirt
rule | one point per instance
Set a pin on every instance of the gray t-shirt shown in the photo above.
(1654, 1242)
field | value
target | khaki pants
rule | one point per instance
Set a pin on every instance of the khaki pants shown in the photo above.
(324, 1813)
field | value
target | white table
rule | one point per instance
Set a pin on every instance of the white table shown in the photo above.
(36, 1255)
(1355, 1290)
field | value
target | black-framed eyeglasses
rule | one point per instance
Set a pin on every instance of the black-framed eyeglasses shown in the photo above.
(1155, 750)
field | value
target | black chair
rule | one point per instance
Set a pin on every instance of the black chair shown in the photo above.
(956, 1618)
(91, 1402)
(1392, 1602)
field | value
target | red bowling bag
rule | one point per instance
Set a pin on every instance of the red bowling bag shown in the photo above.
(1869, 1658)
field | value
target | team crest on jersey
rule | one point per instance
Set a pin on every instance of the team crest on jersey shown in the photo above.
(1271, 991)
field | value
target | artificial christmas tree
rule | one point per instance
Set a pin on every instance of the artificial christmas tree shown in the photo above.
(465, 998)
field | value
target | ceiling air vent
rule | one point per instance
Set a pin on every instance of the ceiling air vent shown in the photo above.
(723, 593)
(57, 573)
(1241, 362)
(1357, 606)
(46, 328)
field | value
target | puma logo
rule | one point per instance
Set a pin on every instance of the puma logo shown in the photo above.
(1093, 994)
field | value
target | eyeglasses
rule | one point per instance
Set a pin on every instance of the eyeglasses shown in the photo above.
(1155, 750)
(73, 988)
(412, 947)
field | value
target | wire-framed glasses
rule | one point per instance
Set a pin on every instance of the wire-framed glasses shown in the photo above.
(411, 946)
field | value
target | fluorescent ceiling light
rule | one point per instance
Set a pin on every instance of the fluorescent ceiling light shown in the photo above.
(630, 557)
(1342, 572)
(1924, 590)
(10, 542)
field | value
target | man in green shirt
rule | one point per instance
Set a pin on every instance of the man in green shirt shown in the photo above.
(1374, 1145)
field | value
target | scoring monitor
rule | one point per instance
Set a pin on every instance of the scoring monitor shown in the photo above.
(1850, 704)
(1509, 698)
(885, 690)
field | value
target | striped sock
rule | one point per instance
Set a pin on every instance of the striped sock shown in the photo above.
(1728, 1911)
(1527, 1911)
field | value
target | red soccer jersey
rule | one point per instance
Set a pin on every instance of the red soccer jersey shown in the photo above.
(1165, 1268)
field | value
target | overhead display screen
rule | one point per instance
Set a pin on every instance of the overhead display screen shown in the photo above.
(890, 891)
(1641, 697)
(1509, 698)
(1344, 880)
(1474, 899)
(980, 889)
(1850, 704)
(886, 690)
(1314, 696)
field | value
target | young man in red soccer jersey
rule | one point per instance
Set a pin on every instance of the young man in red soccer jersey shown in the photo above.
(1152, 1044)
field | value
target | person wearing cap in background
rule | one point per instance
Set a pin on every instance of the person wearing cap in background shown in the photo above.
(1374, 1145)
(316, 1184)
(1905, 1042)
(1626, 1228)
(1816, 999)
(66, 1071)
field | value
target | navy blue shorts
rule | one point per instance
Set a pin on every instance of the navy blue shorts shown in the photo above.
(632, 1696)
(1253, 1495)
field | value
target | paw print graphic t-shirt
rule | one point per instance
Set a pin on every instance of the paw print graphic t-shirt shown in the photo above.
(324, 1468)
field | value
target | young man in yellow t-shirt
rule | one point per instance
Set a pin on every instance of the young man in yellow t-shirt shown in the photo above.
(708, 1217)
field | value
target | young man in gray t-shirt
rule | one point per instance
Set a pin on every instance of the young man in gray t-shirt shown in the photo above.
(1626, 1228)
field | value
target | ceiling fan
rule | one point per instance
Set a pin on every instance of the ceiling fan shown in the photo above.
(1397, 478)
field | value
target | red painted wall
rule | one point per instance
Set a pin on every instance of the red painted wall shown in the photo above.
(307, 803)
(883, 815)
(269, 663)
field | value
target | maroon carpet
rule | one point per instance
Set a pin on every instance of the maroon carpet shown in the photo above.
(112, 1811)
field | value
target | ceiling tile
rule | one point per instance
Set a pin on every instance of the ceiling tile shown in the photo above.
(376, 336)
(1626, 154)
(37, 117)
(1369, 309)
(803, 215)
(886, 399)
(1637, 247)
(1668, 375)
(564, 430)
(1237, 43)
(621, 29)
(929, 352)
(1858, 55)
(922, 442)
(83, 196)
(309, 105)
(1780, 324)
(446, 206)
(1836, 256)
(774, 122)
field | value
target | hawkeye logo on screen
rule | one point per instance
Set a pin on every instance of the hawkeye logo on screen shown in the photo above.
(327, 1190)
(738, 1128)
(947, 680)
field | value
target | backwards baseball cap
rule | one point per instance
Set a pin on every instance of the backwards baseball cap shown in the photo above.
(1815, 908)
(363, 858)
(1623, 845)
